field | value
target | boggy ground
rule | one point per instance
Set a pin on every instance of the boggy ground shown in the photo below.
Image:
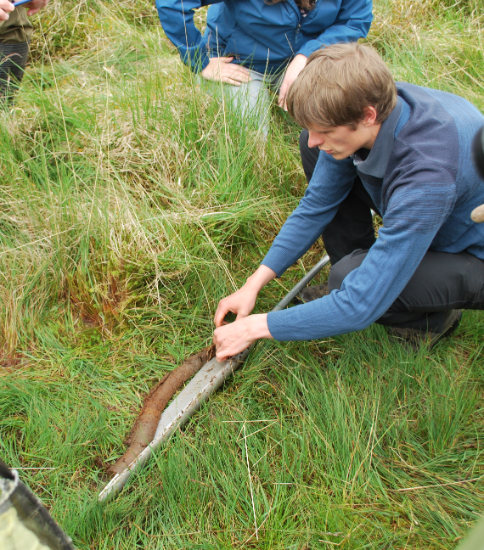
(131, 203)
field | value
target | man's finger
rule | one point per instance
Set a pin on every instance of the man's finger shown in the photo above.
(231, 68)
(228, 80)
(282, 102)
(223, 352)
(240, 72)
(235, 81)
(242, 315)
(240, 77)
(237, 78)
(242, 69)
(282, 95)
(221, 357)
(220, 315)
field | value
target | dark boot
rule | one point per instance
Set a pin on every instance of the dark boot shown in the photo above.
(418, 338)
(13, 59)
(313, 292)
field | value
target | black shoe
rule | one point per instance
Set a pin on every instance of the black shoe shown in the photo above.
(313, 292)
(419, 338)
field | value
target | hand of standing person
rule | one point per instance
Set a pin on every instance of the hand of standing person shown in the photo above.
(35, 6)
(221, 69)
(233, 338)
(5, 8)
(292, 72)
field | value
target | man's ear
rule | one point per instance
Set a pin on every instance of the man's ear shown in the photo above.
(369, 116)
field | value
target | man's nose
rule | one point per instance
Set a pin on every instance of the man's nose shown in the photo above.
(314, 139)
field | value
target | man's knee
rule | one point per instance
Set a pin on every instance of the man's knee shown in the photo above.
(303, 141)
(309, 156)
(345, 266)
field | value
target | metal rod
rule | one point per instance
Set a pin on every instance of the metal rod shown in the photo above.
(302, 283)
(207, 380)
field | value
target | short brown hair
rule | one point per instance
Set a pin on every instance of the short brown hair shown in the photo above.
(337, 85)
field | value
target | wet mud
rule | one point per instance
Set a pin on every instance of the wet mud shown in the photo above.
(145, 426)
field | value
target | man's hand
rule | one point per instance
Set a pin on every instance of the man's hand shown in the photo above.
(233, 338)
(242, 302)
(221, 69)
(5, 8)
(35, 6)
(292, 72)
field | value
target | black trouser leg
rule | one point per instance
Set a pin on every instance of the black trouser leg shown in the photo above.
(13, 59)
(352, 226)
(441, 282)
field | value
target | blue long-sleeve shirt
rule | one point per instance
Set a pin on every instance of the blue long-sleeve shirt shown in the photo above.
(420, 176)
(260, 34)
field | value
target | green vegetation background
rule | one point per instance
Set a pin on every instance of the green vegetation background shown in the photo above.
(131, 202)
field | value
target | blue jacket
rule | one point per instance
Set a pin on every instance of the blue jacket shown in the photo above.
(420, 175)
(261, 35)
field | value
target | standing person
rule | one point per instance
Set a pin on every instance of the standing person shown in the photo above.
(15, 34)
(254, 44)
(403, 151)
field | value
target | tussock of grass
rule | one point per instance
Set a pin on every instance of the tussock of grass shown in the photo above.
(131, 203)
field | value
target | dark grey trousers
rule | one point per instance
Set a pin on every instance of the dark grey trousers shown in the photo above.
(441, 282)
(13, 59)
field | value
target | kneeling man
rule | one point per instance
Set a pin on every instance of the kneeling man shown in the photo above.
(403, 151)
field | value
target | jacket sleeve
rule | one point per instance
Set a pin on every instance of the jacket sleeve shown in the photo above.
(176, 17)
(316, 209)
(353, 22)
(411, 222)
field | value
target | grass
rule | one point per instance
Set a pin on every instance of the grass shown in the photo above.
(131, 203)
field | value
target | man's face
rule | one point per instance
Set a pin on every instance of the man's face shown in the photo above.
(341, 141)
